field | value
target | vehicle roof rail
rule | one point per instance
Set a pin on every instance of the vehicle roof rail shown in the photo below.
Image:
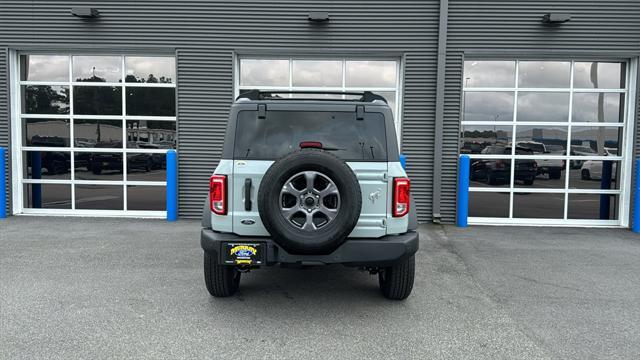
(256, 95)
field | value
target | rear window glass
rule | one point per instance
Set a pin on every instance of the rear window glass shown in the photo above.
(281, 132)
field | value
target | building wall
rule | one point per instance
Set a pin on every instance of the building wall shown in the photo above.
(512, 29)
(207, 34)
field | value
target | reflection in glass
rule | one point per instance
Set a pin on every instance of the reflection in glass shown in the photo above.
(371, 74)
(317, 73)
(150, 69)
(99, 197)
(46, 165)
(146, 167)
(475, 138)
(45, 132)
(157, 101)
(600, 75)
(44, 99)
(540, 173)
(543, 106)
(489, 204)
(489, 73)
(537, 138)
(97, 133)
(604, 141)
(598, 107)
(98, 166)
(593, 206)
(97, 100)
(595, 174)
(490, 172)
(264, 72)
(488, 106)
(47, 196)
(150, 134)
(97, 68)
(538, 205)
(146, 198)
(390, 96)
(544, 74)
(44, 68)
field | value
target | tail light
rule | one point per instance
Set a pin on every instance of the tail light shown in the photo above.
(218, 194)
(400, 197)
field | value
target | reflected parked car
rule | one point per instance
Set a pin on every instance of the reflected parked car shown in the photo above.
(498, 171)
(579, 150)
(592, 169)
(552, 167)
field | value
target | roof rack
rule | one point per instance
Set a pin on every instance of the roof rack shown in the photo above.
(365, 96)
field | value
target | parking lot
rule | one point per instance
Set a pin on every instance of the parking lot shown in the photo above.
(116, 288)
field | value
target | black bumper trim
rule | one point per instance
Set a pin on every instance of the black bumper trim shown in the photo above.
(383, 251)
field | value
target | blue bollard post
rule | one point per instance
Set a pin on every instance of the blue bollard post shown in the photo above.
(403, 161)
(36, 173)
(605, 184)
(3, 184)
(463, 191)
(172, 185)
(636, 200)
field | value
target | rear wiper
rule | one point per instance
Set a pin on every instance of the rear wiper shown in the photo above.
(247, 153)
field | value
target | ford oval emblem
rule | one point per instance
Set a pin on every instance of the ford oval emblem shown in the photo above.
(247, 221)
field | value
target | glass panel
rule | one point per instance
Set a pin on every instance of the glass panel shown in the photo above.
(538, 106)
(46, 165)
(146, 167)
(476, 138)
(45, 132)
(264, 72)
(146, 101)
(488, 106)
(97, 100)
(99, 197)
(602, 140)
(601, 75)
(540, 173)
(586, 107)
(317, 73)
(44, 68)
(44, 99)
(149, 134)
(593, 206)
(152, 69)
(47, 196)
(97, 68)
(371, 74)
(489, 204)
(97, 133)
(490, 172)
(596, 174)
(98, 166)
(538, 205)
(489, 73)
(544, 74)
(146, 197)
(542, 139)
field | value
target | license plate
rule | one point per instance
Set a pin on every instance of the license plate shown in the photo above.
(243, 253)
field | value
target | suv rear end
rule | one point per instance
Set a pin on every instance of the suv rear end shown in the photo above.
(309, 182)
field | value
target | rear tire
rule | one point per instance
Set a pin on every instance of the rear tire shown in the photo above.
(221, 280)
(555, 174)
(396, 282)
(585, 174)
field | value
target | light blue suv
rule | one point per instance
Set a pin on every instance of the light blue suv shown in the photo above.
(310, 182)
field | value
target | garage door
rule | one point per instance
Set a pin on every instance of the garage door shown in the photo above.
(91, 133)
(549, 141)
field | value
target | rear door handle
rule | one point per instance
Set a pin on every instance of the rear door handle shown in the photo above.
(247, 194)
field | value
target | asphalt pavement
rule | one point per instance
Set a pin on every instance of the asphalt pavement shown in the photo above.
(118, 288)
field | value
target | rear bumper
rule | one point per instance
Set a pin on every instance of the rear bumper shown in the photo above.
(384, 251)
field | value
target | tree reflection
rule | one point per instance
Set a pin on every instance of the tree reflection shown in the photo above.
(44, 99)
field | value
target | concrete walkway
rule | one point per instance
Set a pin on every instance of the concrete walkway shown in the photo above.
(114, 288)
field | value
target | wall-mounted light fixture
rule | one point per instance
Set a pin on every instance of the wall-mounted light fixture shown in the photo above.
(556, 18)
(318, 16)
(85, 12)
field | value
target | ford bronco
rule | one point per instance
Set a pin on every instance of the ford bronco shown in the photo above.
(310, 182)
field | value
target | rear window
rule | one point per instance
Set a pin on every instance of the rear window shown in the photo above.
(281, 132)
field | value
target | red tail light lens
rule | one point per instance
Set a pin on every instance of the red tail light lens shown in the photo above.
(218, 194)
(400, 197)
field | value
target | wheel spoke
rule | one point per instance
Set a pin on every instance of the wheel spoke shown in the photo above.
(308, 224)
(310, 177)
(331, 189)
(329, 213)
(288, 188)
(289, 212)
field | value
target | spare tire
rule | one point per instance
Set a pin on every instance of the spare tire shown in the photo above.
(309, 201)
